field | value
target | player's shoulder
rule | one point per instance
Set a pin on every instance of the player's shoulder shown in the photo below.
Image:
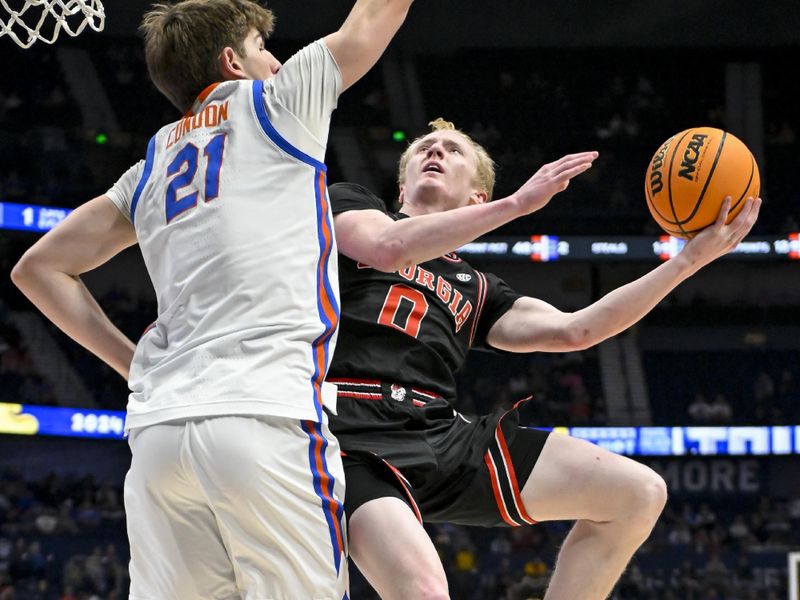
(315, 55)
(316, 50)
(349, 196)
(348, 189)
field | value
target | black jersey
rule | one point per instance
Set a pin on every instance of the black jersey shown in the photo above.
(413, 326)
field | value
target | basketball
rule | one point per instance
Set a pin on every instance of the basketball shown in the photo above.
(692, 173)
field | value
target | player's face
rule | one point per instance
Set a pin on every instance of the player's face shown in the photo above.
(442, 167)
(258, 63)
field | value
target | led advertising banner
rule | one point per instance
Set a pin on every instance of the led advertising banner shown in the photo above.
(782, 440)
(24, 419)
(551, 248)
(693, 441)
(535, 248)
(30, 217)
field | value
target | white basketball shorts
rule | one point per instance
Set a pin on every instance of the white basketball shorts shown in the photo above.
(229, 508)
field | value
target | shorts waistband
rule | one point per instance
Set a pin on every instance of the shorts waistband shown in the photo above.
(373, 389)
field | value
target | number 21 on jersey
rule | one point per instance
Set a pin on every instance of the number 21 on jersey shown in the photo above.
(180, 177)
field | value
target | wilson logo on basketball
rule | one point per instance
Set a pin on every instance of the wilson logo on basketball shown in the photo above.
(656, 178)
(691, 155)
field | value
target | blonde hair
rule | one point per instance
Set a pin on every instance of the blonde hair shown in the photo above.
(183, 41)
(484, 175)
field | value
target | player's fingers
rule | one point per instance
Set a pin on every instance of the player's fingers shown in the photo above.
(558, 165)
(753, 217)
(756, 209)
(723, 214)
(743, 224)
(573, 172)
(558, 169)
(744, 231)
(579, 157)
(741, 220)
(571, 164)
(752, 214)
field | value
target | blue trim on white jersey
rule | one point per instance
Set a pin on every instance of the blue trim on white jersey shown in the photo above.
(326, 280)
(272, 133)
(325, 256)
(315, 429)
(148, 167)
(322, 217)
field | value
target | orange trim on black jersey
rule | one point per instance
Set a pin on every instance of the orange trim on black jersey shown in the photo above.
(482, 286)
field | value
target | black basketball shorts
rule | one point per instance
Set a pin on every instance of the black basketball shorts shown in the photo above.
(402, 442)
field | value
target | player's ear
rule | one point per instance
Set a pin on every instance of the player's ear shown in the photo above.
(478, 197)
(229, 65)
(401, 197)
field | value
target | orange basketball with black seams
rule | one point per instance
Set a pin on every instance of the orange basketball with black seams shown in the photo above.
(692, 173)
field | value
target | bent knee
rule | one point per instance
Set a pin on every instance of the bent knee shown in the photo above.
(655, 492)
(647, 497)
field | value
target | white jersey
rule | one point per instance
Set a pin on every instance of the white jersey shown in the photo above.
(232, 217)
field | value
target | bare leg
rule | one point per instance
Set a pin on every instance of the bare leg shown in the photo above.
(395, 554)
(615, 500)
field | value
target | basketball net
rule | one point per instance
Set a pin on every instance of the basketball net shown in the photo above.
(70, 15)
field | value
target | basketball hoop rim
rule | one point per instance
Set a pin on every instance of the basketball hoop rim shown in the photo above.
(24, 34)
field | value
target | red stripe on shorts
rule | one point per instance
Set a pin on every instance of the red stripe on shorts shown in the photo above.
(498, 496)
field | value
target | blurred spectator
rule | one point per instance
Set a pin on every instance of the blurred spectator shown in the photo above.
(738, 530)
(82, 561)
(700, 410)
(533, 582)
(720, 411)
(764, 387)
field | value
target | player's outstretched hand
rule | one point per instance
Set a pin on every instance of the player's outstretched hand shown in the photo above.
(719, 239)
(551, 179)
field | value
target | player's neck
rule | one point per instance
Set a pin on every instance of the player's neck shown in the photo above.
(428, 207)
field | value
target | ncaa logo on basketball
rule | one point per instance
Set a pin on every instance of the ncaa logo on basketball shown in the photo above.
(464, 277)
(691, 155)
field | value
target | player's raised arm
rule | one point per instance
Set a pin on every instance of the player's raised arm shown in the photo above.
(532, 325)
(445, 182)
(364, 35)
(48, 274)
(373, 238)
